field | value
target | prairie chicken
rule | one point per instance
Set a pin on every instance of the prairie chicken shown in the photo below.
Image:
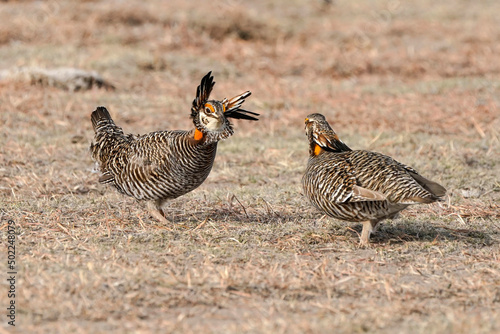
(359, 186)
(164, 165)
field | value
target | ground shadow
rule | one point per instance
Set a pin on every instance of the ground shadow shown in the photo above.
(261, 215)
(395, 233)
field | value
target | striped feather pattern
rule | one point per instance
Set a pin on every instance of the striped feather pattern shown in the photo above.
(334, 177)
(159, 165)
(163, 165)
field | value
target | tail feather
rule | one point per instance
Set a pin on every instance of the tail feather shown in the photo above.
(100, 115)
(434, 188)
(108, 136)
(101, 119)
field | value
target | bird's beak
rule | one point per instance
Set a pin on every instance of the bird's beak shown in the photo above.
(306, 122)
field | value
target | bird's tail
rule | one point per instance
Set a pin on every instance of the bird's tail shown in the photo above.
(102, 119)
(107, 135)
(437, 191)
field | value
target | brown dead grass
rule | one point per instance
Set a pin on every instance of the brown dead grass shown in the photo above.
(246, 253)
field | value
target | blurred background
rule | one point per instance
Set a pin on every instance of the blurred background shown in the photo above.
(341, 58)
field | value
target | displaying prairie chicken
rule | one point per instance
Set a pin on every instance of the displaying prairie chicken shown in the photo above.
(359, 186)
(163, 165)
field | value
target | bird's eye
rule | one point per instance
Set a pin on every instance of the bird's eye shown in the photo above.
(208, 110)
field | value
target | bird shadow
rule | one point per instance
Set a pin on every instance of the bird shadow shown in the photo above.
(262, 213)
(394, 233)
(227, 215)
(389, 232)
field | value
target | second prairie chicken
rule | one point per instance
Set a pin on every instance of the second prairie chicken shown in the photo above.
(164, 165)
(359, 186)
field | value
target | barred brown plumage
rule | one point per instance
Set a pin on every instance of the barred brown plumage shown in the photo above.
(359, 185)
(164, 165)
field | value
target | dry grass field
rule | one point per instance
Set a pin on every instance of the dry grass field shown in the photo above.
(246, 253)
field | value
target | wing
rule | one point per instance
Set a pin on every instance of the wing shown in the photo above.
(360, 194)
(335, 178)
(153, 153)
(125, 168)
(143, 176)
(398, 182)
(139, 169)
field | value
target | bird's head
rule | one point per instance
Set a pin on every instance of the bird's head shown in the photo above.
(210, 117)
(322, 137)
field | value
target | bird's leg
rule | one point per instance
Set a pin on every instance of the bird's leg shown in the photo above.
(365, 233)
(155, 210)
(369, 227)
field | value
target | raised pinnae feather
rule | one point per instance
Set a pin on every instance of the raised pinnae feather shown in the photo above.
(236, 102)
(243, 114)
(203, 91)
(233, 108)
